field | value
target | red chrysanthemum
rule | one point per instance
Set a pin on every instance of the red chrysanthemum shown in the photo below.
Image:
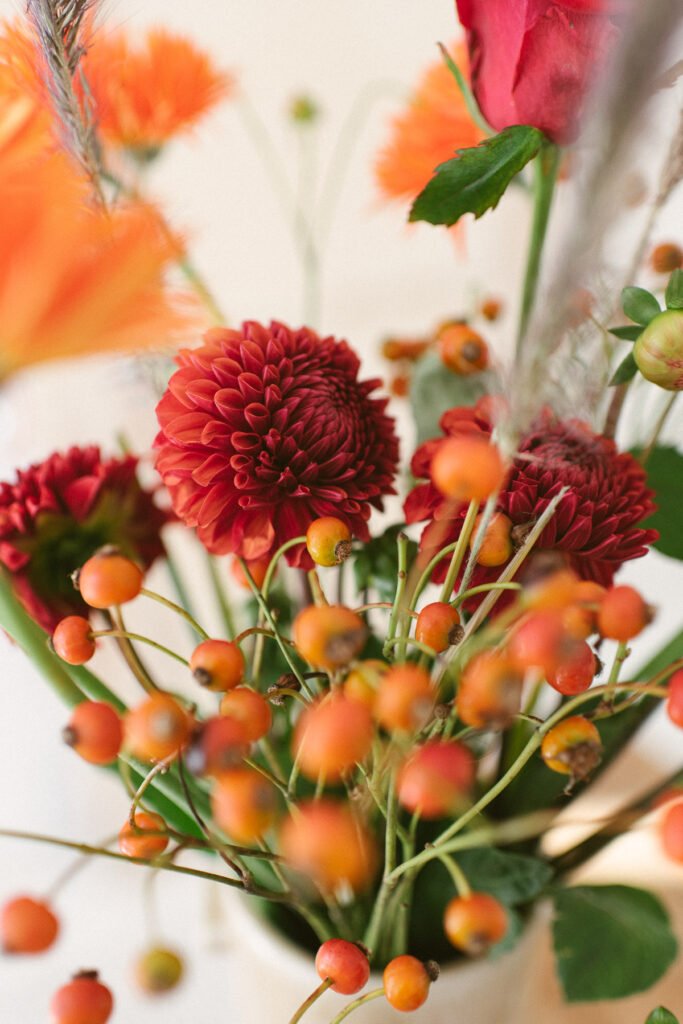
(264, 429)
(596, 524)
(58, 512)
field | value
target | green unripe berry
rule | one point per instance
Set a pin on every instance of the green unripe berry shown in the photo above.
(658, 351)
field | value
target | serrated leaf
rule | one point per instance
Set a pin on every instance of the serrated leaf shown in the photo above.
(625, 371)
(664, 468)
(661, 1016)
(610, 941)
(475, 179)
(512, 878)
(626, 333)
(434, 389)
(674, 291)
(639, 305)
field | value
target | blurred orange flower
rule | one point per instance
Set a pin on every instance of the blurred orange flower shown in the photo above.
(75, 279)
(144, 95)
(25, 121)
(434, 124)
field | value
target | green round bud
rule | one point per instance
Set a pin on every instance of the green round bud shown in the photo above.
(158, 970)
(658, 351)
(303, 109)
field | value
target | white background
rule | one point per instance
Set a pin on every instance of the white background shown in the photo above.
(380, 277)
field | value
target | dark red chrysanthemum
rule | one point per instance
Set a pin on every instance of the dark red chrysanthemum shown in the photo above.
(264, 429)
(58, 512)
(596, 524)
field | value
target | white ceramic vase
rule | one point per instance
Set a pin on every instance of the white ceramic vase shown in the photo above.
(270, 977)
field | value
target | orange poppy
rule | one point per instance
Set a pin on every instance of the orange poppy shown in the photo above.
(73, 278)
(435, 123)
(144, 95)
(24, 115)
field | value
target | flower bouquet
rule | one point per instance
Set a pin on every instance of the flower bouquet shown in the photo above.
(394, 720)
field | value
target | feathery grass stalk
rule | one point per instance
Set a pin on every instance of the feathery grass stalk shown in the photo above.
(59, 26)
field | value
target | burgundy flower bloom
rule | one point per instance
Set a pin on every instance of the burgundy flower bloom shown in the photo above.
(596, 524)
(264, 429)
(58, 512)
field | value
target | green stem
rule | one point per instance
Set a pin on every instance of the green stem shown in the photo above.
(99, 851)
(361, 1001)
(621, 654)
(459, 551)
(271, 622)
(484, 589)
(314, 996)
(178, 609)
(467, 94)
(546, 167)
(140, 639)
(221, 598)
(462, 886)
(394, 618)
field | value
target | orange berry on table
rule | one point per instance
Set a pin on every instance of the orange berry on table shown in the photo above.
(328, 541)
(671, 831)
(363, 680)
(73, 641)
(572, 747)
(405, 699)
(217, 664)
(216, 746)
(328, 636)
(108, 579)
(435, 779)
(250, 709)
(158, 970)
(674, 701)
(576, 672)
(84, 1000)
(623, 614)
(27, 925)
(406, 982)
(157, 728)
(438, 626)
(330, 843)
(666, 257)
(331, 736)
(345, 964)
(491, 308)
(490, 691)
(257, 570)
(147, 840)
(95, 732)
(244, 804)
(496, 548)
(474, 923)
(468, 469)
(462, 350)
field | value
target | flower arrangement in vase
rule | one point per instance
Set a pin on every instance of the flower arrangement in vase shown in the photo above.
(392, 721)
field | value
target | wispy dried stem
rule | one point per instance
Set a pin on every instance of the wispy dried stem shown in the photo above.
(59, 26)
(551, 368)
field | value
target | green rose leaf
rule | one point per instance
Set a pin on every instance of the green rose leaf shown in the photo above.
(434, 389)
(511, 877)
(639, 305)
(661, 1016)
(626, 333)
(475, 179)
(626, 369)
(610, 941)
(375, 564)
(674, 291)
(665, 476)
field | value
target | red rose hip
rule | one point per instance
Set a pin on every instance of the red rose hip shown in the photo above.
(84, 1000)
(27, 925)
(345, 964)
